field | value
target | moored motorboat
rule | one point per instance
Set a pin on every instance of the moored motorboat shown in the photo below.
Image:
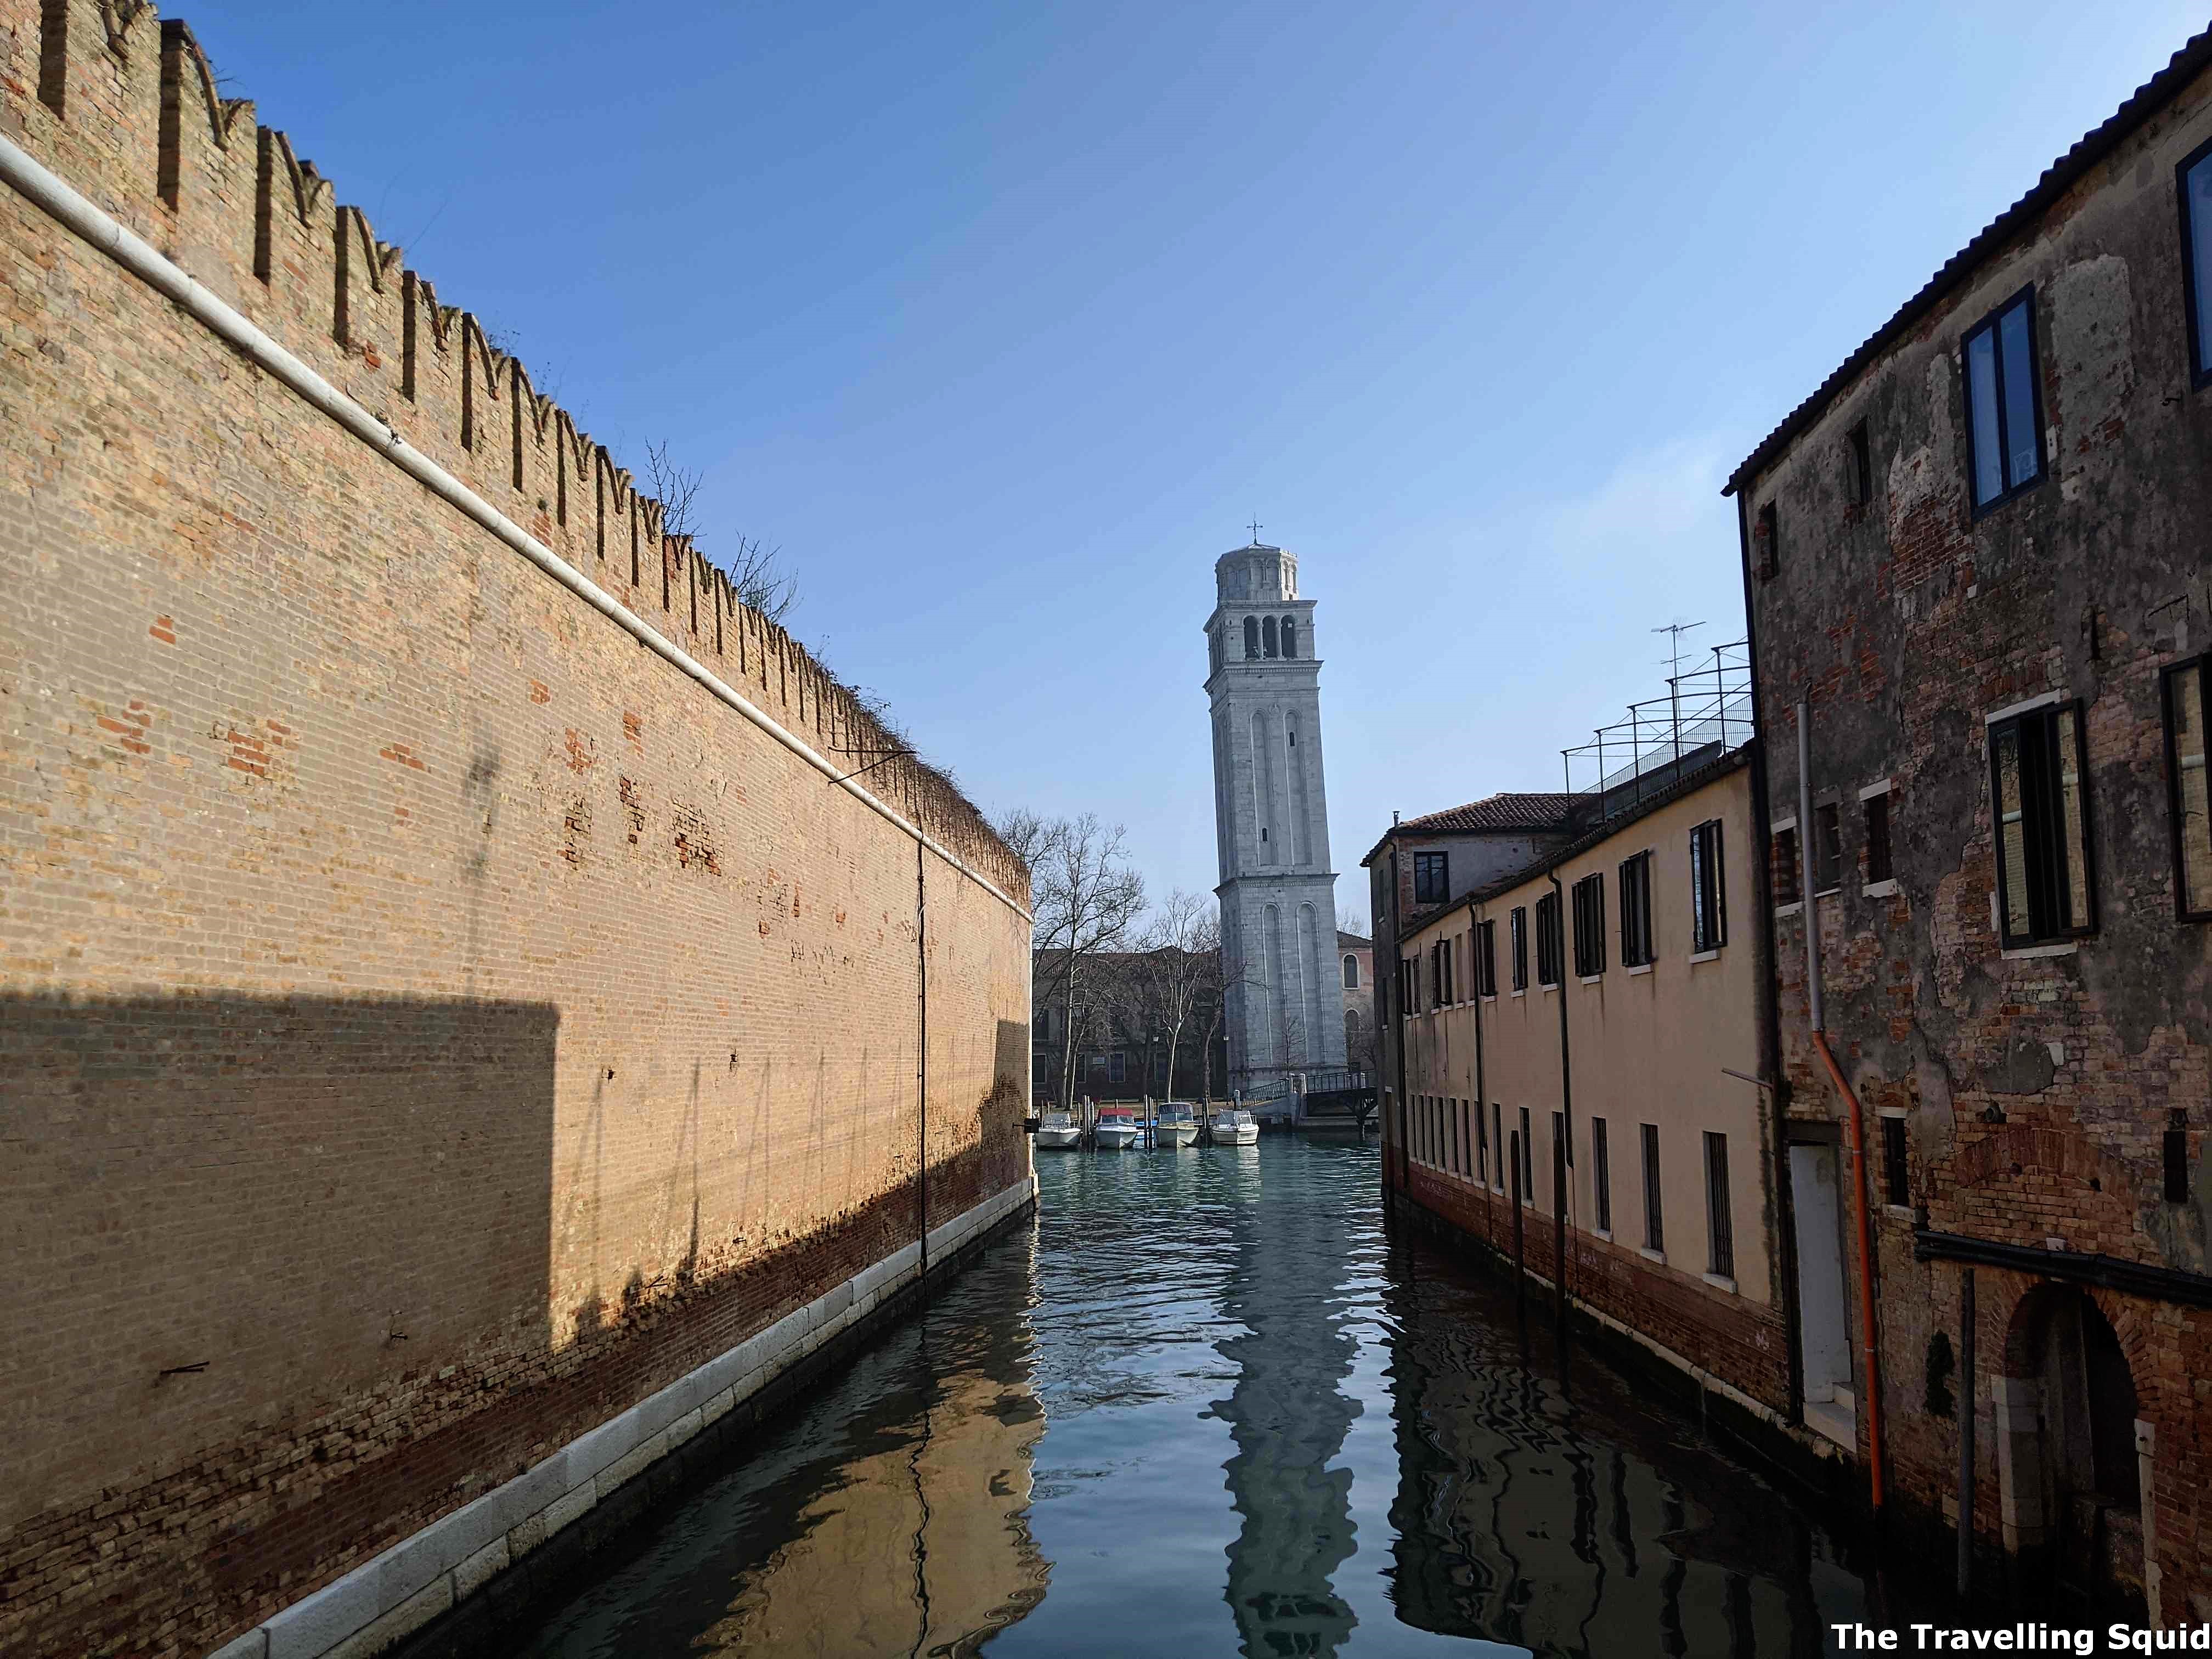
(1116, 1130)
(1232, 1126)
(1176, 1126)
(1059, 1129)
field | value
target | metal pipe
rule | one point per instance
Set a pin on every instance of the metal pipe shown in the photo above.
(1871, 1373)
(33, 181)
(1966, 1433)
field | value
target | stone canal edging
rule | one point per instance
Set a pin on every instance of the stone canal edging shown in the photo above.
(454, 1581)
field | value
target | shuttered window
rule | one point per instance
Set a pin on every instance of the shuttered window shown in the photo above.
(2038, 787)
(1708, 893)
(1589, 925)
(2185, 725)
(1635, 948)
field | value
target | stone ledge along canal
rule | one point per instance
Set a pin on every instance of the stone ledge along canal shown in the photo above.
(1207, 1404)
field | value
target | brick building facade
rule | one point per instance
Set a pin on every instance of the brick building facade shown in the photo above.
(444, 1045)
(1976, 557)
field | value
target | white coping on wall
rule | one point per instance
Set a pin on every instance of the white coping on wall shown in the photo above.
(397, 1592)
(48, 190)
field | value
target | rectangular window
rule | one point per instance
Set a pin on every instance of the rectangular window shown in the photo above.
(1636, 911)
(1786, 890)
(2004, 403)
(1858, 462)
(1589, 925)
(1497, 1140)
(1655, 1230)
(1520, 920)
(1896, 1180)
(1481, 1143)
(2037, 772)
(2194, 178)
(1558, 1161)
(1767, 545)
(1878, 866)
(1548, 942)
(1118, 1067)
(1708, 893)
(1720, 1222)
(1486, 960)
(1827, 848)
(1601, 1175)
(1431, 884)
(2185, 709)
(2176, 1149)
(1528, 1162)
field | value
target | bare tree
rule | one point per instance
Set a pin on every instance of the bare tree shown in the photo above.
(1222, 971)
(755, 569)
(1085, 898)
(1170, 972)
(1350, 920)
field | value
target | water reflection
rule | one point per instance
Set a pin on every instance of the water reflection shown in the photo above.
(1211, 1405)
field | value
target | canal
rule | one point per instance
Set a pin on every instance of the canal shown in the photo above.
(1208, 1405)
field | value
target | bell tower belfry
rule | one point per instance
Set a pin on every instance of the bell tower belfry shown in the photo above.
(1277, 893)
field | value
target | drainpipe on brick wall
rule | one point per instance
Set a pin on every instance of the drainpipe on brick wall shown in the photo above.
(1870, 1374)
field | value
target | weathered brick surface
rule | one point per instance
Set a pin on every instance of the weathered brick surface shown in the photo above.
(430, 1020)
(2038, 1087)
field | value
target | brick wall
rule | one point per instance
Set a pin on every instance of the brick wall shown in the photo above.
(431, 1021)
(2036, 1084)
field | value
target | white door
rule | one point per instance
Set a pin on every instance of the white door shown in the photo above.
(1824, 1345)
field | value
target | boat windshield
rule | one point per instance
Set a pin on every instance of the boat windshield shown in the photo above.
(1117, 1117)
(1176, 1115)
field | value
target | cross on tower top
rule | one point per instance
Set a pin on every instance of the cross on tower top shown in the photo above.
(1255, 532)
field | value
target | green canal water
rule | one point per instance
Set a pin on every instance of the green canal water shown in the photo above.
(1209, 1404)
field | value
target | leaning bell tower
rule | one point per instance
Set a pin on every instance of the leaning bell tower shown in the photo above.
(1277, 893)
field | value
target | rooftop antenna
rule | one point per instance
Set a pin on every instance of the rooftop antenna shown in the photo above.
(1675, 631)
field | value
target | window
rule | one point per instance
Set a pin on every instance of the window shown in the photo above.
(1786, 890)
(1408, 991)
(1267, 637)
(1636, 911)
(1827, 848)
(1708, 893)
(1528, 1163)
(1118, 1067)
(1589, 925)
(1559, 1158)
(2185, 709)
(1485, 959)
(2004, 404)
(1481, 1143)
(2194, 176)
(2036, 765)
(1289, 636)
(1497, 1140)
(2176, 1149)
(1601, 1175)
(1430, 882)
(1351, 972)
(1878, 866)
(1548, 941)
(1520, 931)
(1720, 1225)
(1896, 1178)
(1251, 636)
(1858, 464)
(1654, 1231)
(1767, 545)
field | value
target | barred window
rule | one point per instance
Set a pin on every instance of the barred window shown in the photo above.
(1720, 1225)
(1655, 1230)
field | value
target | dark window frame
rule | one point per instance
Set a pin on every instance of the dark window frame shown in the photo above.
(1720, 1213)
(1708, 889)
(1528, 1162)
(1766, 542)
(1878, 838)
(1601, 1175)
(1520, 941)
(1858, 448)
(2011, 489)
(1485, 959)
(1551, 941)
(1426, 889)
(1896, 1165)
(1825, 849)
(1590, 924)
(1638, 947)
(2072, 928)
(2200, 348)
(2168, 679)
(1654, 1219)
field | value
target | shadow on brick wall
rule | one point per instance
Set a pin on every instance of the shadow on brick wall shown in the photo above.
(224, 1209)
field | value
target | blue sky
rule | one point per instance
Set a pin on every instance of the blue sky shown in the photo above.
(1003, 320)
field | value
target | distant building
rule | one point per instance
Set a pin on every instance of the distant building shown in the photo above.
(1975, 556)
(1120, 1049)
(1277, 893)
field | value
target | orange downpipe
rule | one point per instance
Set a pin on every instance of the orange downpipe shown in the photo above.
(1873, 1368)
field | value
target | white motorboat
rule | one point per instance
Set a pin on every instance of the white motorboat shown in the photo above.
(1117, 1130)
(1059, 1129)
(1232, 1126)
(1176, 1126)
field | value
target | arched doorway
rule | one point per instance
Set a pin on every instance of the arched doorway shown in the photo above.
(2069, 1470)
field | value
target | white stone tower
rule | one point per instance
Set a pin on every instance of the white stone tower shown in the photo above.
(1277, 893)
